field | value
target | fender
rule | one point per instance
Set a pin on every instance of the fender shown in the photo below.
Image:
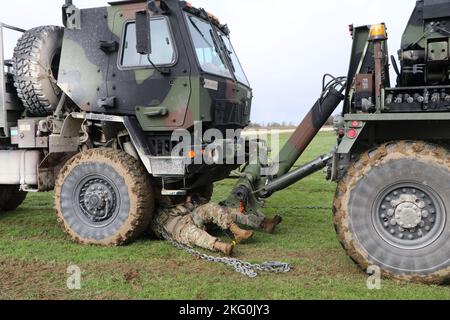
(156, 166)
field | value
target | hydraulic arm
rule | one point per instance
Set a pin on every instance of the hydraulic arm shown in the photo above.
(253, 186)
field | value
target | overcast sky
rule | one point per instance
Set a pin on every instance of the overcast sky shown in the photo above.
(284, 46)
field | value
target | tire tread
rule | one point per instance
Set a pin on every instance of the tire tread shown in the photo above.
(356, 171)
(140, 190)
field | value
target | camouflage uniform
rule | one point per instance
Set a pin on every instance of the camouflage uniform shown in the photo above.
(211, 213)
(186, 223)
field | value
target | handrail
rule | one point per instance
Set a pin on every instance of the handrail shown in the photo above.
(7, 26)
(4, 124)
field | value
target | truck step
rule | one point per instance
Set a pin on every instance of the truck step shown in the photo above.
(166, 192)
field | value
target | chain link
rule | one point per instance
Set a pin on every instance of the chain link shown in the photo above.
(298, 208)
(240, 266)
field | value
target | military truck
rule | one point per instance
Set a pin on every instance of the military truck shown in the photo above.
(391, 162)
(90, 110)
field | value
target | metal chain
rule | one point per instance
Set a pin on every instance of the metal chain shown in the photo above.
(299, 208)
(240, 266)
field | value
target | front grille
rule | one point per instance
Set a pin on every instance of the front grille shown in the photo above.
(228, 114)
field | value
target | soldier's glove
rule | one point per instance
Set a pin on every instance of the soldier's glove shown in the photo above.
(199, 223)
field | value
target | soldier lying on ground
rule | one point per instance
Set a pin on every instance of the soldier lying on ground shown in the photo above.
(186, 224)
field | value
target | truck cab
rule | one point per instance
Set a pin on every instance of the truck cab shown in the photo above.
(124, 107)
(192, 75)
(191, 79)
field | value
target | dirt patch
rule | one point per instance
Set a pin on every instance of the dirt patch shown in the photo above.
(31, 280)
(42, 281)
(131, 275)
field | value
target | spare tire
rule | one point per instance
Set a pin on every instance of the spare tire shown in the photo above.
(36, 66)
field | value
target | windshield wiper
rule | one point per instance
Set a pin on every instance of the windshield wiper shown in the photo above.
(217, 47)
(201, 33)
(214, 36)
(225, 48)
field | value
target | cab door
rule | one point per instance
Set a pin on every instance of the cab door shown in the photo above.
(134, 84)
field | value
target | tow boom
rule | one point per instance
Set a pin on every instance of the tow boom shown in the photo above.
(252, 187)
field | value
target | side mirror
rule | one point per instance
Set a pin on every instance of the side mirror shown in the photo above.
(143, 33)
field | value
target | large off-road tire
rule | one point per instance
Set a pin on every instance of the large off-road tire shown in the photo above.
(392, 210)
(16, 198)
(11, 198)
(4, 197)
(35, 68)
(104, 197)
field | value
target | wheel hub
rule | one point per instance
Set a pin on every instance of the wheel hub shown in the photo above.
(98, 200)
(96, 197)
(409, 216)
(408, 211)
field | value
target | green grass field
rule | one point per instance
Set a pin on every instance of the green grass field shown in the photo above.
(35, 254)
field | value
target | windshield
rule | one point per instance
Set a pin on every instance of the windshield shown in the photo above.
(209, 56)
(238, 70)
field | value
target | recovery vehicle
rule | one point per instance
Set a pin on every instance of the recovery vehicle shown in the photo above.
(89, 110)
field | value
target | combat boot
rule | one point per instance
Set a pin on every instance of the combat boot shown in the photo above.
(239, 234)
(269, 225)
(225, 248)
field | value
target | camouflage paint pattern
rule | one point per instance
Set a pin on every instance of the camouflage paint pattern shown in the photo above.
(414, 29)
(182, 95)
(307, 130)
(83, 67)
(422, 47)
(426, 38)
(417, 32)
